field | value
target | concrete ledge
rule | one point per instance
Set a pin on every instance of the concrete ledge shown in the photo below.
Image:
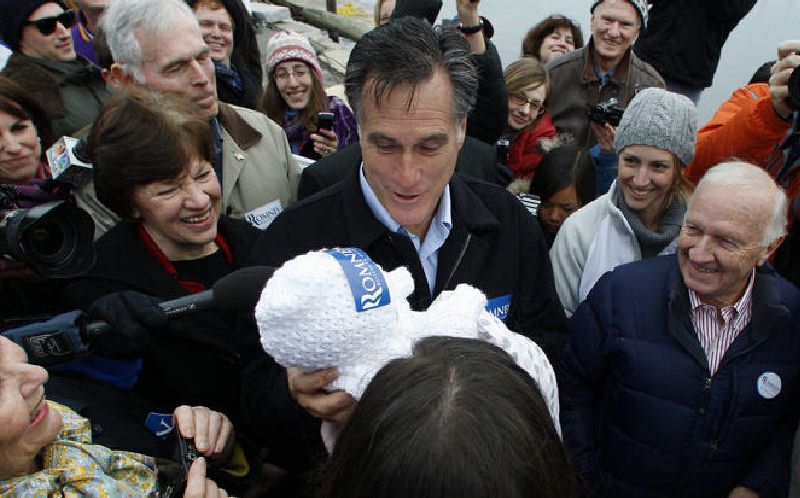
(270, 13)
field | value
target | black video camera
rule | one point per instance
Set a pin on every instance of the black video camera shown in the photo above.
(606, 112)
(55, 239)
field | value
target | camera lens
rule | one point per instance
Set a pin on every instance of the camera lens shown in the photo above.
(45, 240)
(54, 239)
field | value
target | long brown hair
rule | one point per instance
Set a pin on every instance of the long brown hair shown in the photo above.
(275, 107)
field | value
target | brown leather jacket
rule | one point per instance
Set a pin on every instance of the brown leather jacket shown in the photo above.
(574, 87)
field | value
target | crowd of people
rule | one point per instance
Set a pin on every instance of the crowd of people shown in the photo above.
(424, 329)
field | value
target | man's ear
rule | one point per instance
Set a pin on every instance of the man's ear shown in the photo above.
(117, 77)
(769, 250)
(462, 132)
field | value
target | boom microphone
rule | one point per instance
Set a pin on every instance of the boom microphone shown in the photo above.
(236, 291)
(66, 337)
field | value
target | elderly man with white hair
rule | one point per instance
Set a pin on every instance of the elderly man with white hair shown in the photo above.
(158, 44)
(685, 386)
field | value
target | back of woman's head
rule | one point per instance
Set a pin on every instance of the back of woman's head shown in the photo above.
(524, 72)
(457, 419)
(564, 166)
(141, 137)
(17, 102)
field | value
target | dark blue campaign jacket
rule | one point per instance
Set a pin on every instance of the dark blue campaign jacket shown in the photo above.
(640, 412)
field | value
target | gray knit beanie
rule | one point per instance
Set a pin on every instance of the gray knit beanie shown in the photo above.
(660, 119)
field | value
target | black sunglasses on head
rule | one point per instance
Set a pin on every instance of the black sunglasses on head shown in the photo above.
(47, 25)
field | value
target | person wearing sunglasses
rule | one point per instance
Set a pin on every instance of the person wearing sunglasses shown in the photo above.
(44, 62)
(528, 121)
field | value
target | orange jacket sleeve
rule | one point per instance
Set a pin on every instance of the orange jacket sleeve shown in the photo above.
(745, 127)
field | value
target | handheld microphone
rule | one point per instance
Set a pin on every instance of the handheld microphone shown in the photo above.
(68, 161)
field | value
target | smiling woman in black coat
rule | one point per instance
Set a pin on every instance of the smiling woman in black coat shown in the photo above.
(153, 165)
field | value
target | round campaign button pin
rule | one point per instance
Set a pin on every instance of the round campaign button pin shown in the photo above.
(768, 385)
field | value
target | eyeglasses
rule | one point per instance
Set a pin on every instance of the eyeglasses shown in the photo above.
(48, 25)
(521, 100)
(297, 72)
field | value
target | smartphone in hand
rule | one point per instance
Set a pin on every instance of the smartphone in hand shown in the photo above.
(325, 121)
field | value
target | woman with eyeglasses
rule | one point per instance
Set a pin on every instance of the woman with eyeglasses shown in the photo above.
(295, 97)
(528, 121)
(44, 62)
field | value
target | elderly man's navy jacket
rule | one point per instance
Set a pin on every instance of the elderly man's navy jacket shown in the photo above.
(641, 413)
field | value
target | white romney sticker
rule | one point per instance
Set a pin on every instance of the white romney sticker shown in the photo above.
(768, 385)
(262, 216)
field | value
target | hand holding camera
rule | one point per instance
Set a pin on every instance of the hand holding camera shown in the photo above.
(784, 84)
(605, 134)
(211, 432)
(200, 433)
(198, 486)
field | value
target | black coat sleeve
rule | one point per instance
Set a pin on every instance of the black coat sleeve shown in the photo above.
(329, 170)
(489, 117)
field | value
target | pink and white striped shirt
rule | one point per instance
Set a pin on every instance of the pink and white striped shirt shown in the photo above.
(715, 338)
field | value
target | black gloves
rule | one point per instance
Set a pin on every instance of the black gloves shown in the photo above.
(132, 316)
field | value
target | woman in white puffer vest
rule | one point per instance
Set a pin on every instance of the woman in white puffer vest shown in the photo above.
(641, 214)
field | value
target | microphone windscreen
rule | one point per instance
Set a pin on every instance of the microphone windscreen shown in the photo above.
(240, 290)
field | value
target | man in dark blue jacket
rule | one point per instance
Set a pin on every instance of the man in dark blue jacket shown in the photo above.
(686, 386)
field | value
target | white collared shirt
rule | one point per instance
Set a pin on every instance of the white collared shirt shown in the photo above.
(437, 233)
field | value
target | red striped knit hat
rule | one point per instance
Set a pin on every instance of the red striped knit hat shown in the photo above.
(290, 46)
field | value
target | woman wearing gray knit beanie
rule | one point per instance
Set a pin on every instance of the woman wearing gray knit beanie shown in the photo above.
(641, 214)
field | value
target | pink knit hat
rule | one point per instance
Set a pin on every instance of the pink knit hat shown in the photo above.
(287, 45)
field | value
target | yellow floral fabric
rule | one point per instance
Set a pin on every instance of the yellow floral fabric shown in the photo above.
(73, 466)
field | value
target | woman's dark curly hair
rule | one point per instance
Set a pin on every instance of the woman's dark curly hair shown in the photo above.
(536, 35)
